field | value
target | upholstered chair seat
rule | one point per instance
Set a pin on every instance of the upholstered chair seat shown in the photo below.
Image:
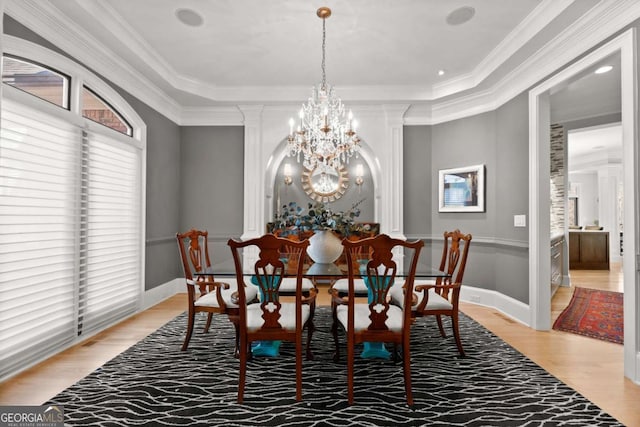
(362, 320)
(229, 295)
(342, 286)
(288, 285)
(434, 302)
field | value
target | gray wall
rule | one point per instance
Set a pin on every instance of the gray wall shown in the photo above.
(511, 193)
(418, 178)
(212, 184)
(498, 257)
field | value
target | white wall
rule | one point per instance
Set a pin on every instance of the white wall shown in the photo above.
(586, 189)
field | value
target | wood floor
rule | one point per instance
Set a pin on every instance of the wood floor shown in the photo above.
(593, 367)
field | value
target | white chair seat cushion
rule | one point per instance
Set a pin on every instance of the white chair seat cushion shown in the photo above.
(287, 316)
(435, 302)
(361, 319)
(288, 285)
(210, 299)
(342, 285)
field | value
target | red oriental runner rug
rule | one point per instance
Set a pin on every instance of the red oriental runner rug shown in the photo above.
(593, 313)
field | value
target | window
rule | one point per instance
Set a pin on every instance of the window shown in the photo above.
(37, 80)
(94, 108)
(38, 262)
(71, 206)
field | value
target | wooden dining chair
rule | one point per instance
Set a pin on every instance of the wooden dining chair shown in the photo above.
(378, 320)
(205, 294)
(441, 297)
(273, 318)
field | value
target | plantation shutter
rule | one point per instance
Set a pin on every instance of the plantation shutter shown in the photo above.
(39, 176)
(110, 252)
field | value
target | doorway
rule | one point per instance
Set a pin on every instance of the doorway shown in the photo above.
(539, 190)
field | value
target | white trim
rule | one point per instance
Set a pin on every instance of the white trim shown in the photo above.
(539, 189)
(162, 292)
(511, 307)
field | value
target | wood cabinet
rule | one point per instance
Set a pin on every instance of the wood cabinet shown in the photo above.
(589, 250)
(557, 244)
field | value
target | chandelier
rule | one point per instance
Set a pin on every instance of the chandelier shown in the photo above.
(326, 134)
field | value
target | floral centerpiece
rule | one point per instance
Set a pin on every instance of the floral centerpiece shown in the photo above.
(293, 219)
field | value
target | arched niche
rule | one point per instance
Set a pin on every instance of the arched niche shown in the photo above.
(278, 193)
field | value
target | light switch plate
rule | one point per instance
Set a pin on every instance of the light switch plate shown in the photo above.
(519, 220)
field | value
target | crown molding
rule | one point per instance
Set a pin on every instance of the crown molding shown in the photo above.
(131, 38)
(47, 22)
(535, 22)
(601, 22)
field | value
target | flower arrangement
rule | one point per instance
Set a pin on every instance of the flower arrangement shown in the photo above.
(293, 219)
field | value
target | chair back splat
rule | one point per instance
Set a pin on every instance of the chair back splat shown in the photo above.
(379, 320)
(280, 315)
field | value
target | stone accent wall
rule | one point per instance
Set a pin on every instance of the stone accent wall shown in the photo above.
(557, 179)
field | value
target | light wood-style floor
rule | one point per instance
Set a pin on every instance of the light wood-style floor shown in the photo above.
(593, 367)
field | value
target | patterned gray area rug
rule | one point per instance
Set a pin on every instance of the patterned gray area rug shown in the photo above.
(154, 383)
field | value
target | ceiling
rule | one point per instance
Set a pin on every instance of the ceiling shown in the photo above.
(270, 51)
(224, 55)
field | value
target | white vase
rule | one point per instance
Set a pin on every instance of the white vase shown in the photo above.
(324, 247)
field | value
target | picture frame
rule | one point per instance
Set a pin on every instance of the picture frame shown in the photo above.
(461, 189)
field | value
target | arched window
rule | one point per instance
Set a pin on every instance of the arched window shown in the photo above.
(96, 109)
(72, 202)
(36, 79)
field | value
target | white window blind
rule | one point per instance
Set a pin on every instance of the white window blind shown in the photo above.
(39, 222)
(110, 269)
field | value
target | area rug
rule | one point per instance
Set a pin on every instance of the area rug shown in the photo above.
(593, 313)
(153, 383)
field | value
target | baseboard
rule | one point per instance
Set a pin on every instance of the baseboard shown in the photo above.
(162, 292)
(508, 306)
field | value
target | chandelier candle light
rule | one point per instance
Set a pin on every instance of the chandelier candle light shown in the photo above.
(326, 134)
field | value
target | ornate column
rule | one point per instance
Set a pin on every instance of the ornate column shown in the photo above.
(392, 208)
(253, 189)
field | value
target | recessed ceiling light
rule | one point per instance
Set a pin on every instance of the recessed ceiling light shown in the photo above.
(189, 17)
(461, 15)
(604, 69)
(441, 72)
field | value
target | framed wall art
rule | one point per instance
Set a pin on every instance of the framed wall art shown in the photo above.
(461, 189)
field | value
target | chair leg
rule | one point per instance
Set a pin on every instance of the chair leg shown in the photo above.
(236, 351)
(310, 329)
(243, 372)
(334, 331)
(190, 322)
(350, 369)
(442, 332)
(456, 333)
(299, 368)
(406, 367)
(208, 324)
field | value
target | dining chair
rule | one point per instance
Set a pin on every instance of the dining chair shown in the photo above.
(441, 297)
(275, 317)
(205, 294)
(378, 320)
